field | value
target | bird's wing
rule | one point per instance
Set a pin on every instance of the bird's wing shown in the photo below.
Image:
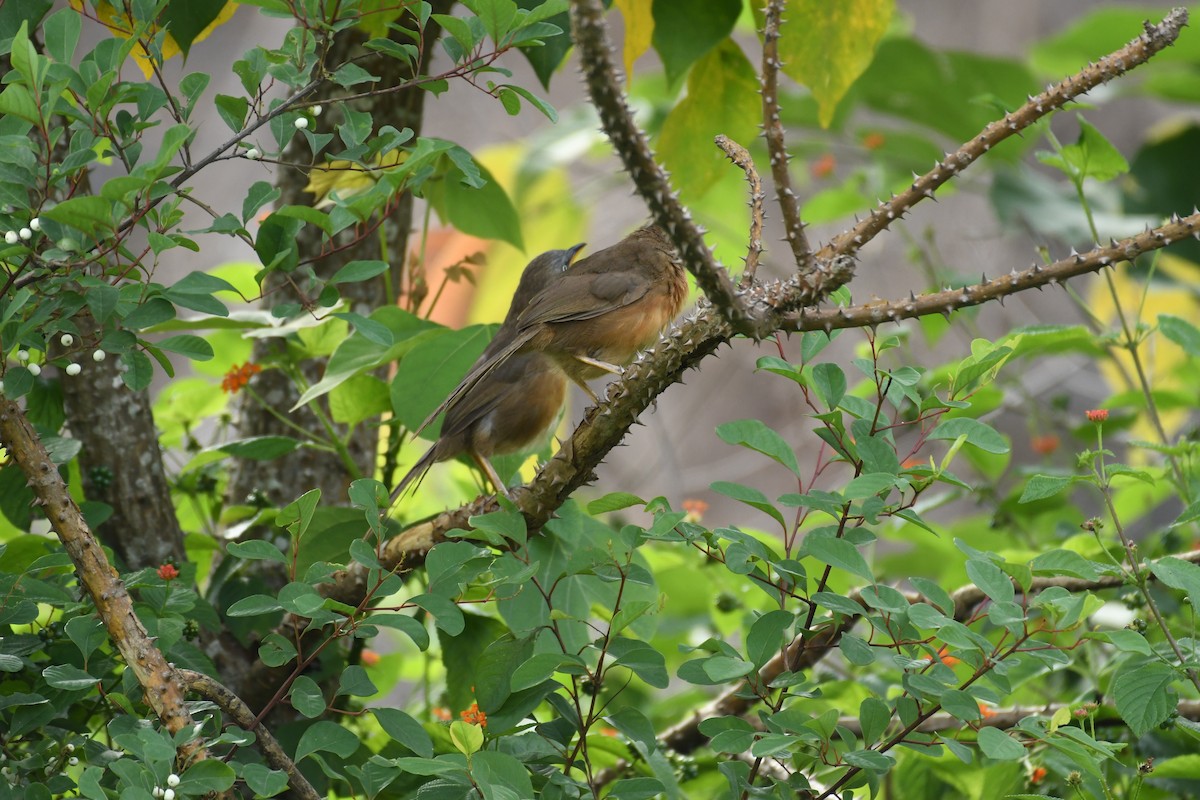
(477, 402)
(584, 296)
(477, 373)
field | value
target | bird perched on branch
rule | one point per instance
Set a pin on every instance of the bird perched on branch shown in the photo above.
(514, 404)
(597, 315)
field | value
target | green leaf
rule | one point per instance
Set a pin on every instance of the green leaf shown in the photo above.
(260, 448)
(1091, 156)
(1143, 696)
(256, 550)
(405, 730)
(723, 98)
(645, 662)
(68, 677)
(991, 580)
(755, 435)
(873, 715)
(484, 211)
(210, 776)
(827, 46)
(187, 19)
(369, 329)
(961, 705)
(260, 194)
(1000, 746)
(276, 242)
(613, 501)
(357, 271)
(751, 497)
(306, 697)
(1179, 574)
(232, 110)
(466, 738)
(87, 213)
(838, 553)
(1040, 487)
(1181, 332)
(16, 101)
(87, 633)
(193, 347)
(138, 369)
(62, 34)
(684, 30)
(431, 370)
(978, 434)
(325, 736)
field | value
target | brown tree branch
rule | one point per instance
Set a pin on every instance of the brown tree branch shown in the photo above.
(160, 681)
(237, 710)
(591, 37)
(1154, 39)
(776, 147)
(741, 157)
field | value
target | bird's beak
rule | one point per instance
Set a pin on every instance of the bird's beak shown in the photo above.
(572, 252)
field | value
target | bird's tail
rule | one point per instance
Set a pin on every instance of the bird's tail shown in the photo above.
(477, 373)
(417, 473)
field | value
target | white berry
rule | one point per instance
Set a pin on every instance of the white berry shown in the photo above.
(25, 234)
(169, 794)
(35, 370)
(172, 780)
(73, 761)
(35, 223)
(67, 340)
(315, 110)
(301, 123)
(12, 238)
(74, 369)
(99, 356)
(253, 154)
(158, 792)
(22, 355)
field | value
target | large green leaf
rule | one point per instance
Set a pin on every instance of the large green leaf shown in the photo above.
(684, 30)
(723, 98)
(827, 46)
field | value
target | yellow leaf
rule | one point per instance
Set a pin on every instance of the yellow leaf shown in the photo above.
(639, 30)
(122, 24)
(826, 46)
(339, 180)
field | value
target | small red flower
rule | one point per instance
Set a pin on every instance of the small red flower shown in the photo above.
(168, 572)
(473, 716)
(874, 141)
(695, 509)
(1097, 415)
(1044, 445)
(440, 713)
(237, 377)
(1038, 775)
(986, 711)
(944, 656)
(823, 167)
(369, 658)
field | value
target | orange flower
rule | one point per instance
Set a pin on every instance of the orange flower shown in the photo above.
(823, 167)
(1097, 415)
(237, 377)
(369, 658)
(943, 655)
(473, 716)
(440, 713)
(168, 572)
(1045, 444)
(986, 711)
(695, 509)
(1038, 775)
(874, 141)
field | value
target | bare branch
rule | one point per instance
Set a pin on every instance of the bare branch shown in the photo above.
(739, 156)
(776, 148)
(591, 36)
(158, 679)
(1137, 52)
(1035, 277)
(237, 710)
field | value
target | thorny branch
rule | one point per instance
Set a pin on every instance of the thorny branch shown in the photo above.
(740, 157)
(773, 134)
(591, 36)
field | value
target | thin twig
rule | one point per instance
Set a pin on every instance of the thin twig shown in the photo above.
(776, 147)
(739, 156)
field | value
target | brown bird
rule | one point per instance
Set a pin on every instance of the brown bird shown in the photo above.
(514, 405)
(597, 315)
